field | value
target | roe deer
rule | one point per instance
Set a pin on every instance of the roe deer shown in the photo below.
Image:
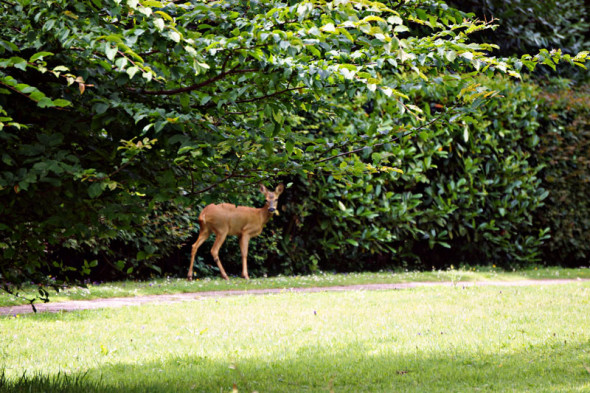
(228, 219)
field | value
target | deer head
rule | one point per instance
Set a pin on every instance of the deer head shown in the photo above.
(272, 198)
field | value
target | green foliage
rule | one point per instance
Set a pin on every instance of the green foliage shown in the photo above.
(115, 117)
(528, 26)
(564, 150)
(467, 194)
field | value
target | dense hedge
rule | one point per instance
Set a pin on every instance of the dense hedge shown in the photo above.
(565, 152)
(489, 186)
(468, 194)
(527, 26)
(506, 185)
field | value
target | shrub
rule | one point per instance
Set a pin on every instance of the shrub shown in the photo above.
(565, 153)
(526, 26)
(468, 193)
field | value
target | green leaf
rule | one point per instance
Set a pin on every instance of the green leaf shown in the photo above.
(352, 242)
(328, 28)
(269, 130)
(152, 3)
(100, 108)
(121, 62)
(131, 71)
(159, 23)
(451, 55)
(401, 29)
(289, 147)
(18, 62)
(278, 116)
(110, 51)
(164, 15)
(7, 45)
(95, 189)
(45, 102)
(39, 56)
(61, 102)
(174, 36)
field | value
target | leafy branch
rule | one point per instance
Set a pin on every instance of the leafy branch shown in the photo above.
(396, 138)
(196, 86)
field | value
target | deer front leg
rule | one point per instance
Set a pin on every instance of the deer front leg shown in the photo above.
(244, 240)
(204, 235)
(219, 239)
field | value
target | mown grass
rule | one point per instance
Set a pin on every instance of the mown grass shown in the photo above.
(181, 285)
(428, 339)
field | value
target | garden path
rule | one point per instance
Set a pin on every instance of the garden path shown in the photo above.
(138, 300)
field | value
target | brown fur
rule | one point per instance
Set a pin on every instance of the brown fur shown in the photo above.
(227, 219)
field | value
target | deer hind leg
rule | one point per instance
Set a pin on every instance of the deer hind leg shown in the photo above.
(219, 239)
(203, 235)
(244, 240)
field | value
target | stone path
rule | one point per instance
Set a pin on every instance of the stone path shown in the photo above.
(138, 300)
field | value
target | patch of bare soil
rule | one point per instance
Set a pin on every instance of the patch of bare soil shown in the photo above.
(134, 301)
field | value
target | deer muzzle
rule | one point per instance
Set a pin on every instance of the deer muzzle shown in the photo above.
(273, 210)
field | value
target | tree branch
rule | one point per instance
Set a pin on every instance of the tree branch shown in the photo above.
(346, 153)
(196, 86)
(397, 138)
(276, 93)
(226, 178)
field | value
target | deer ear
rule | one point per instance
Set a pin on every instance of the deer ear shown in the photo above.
(263, 189)
(279, 190)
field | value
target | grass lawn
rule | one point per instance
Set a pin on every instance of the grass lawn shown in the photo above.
(427, 339)
(181, 285)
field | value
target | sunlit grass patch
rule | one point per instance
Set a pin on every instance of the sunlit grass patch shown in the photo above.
(434, 339)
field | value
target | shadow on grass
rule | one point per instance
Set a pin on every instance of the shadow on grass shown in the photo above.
(558, 366)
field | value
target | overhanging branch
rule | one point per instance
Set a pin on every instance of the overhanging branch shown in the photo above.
(196, 86)
(397, 138)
